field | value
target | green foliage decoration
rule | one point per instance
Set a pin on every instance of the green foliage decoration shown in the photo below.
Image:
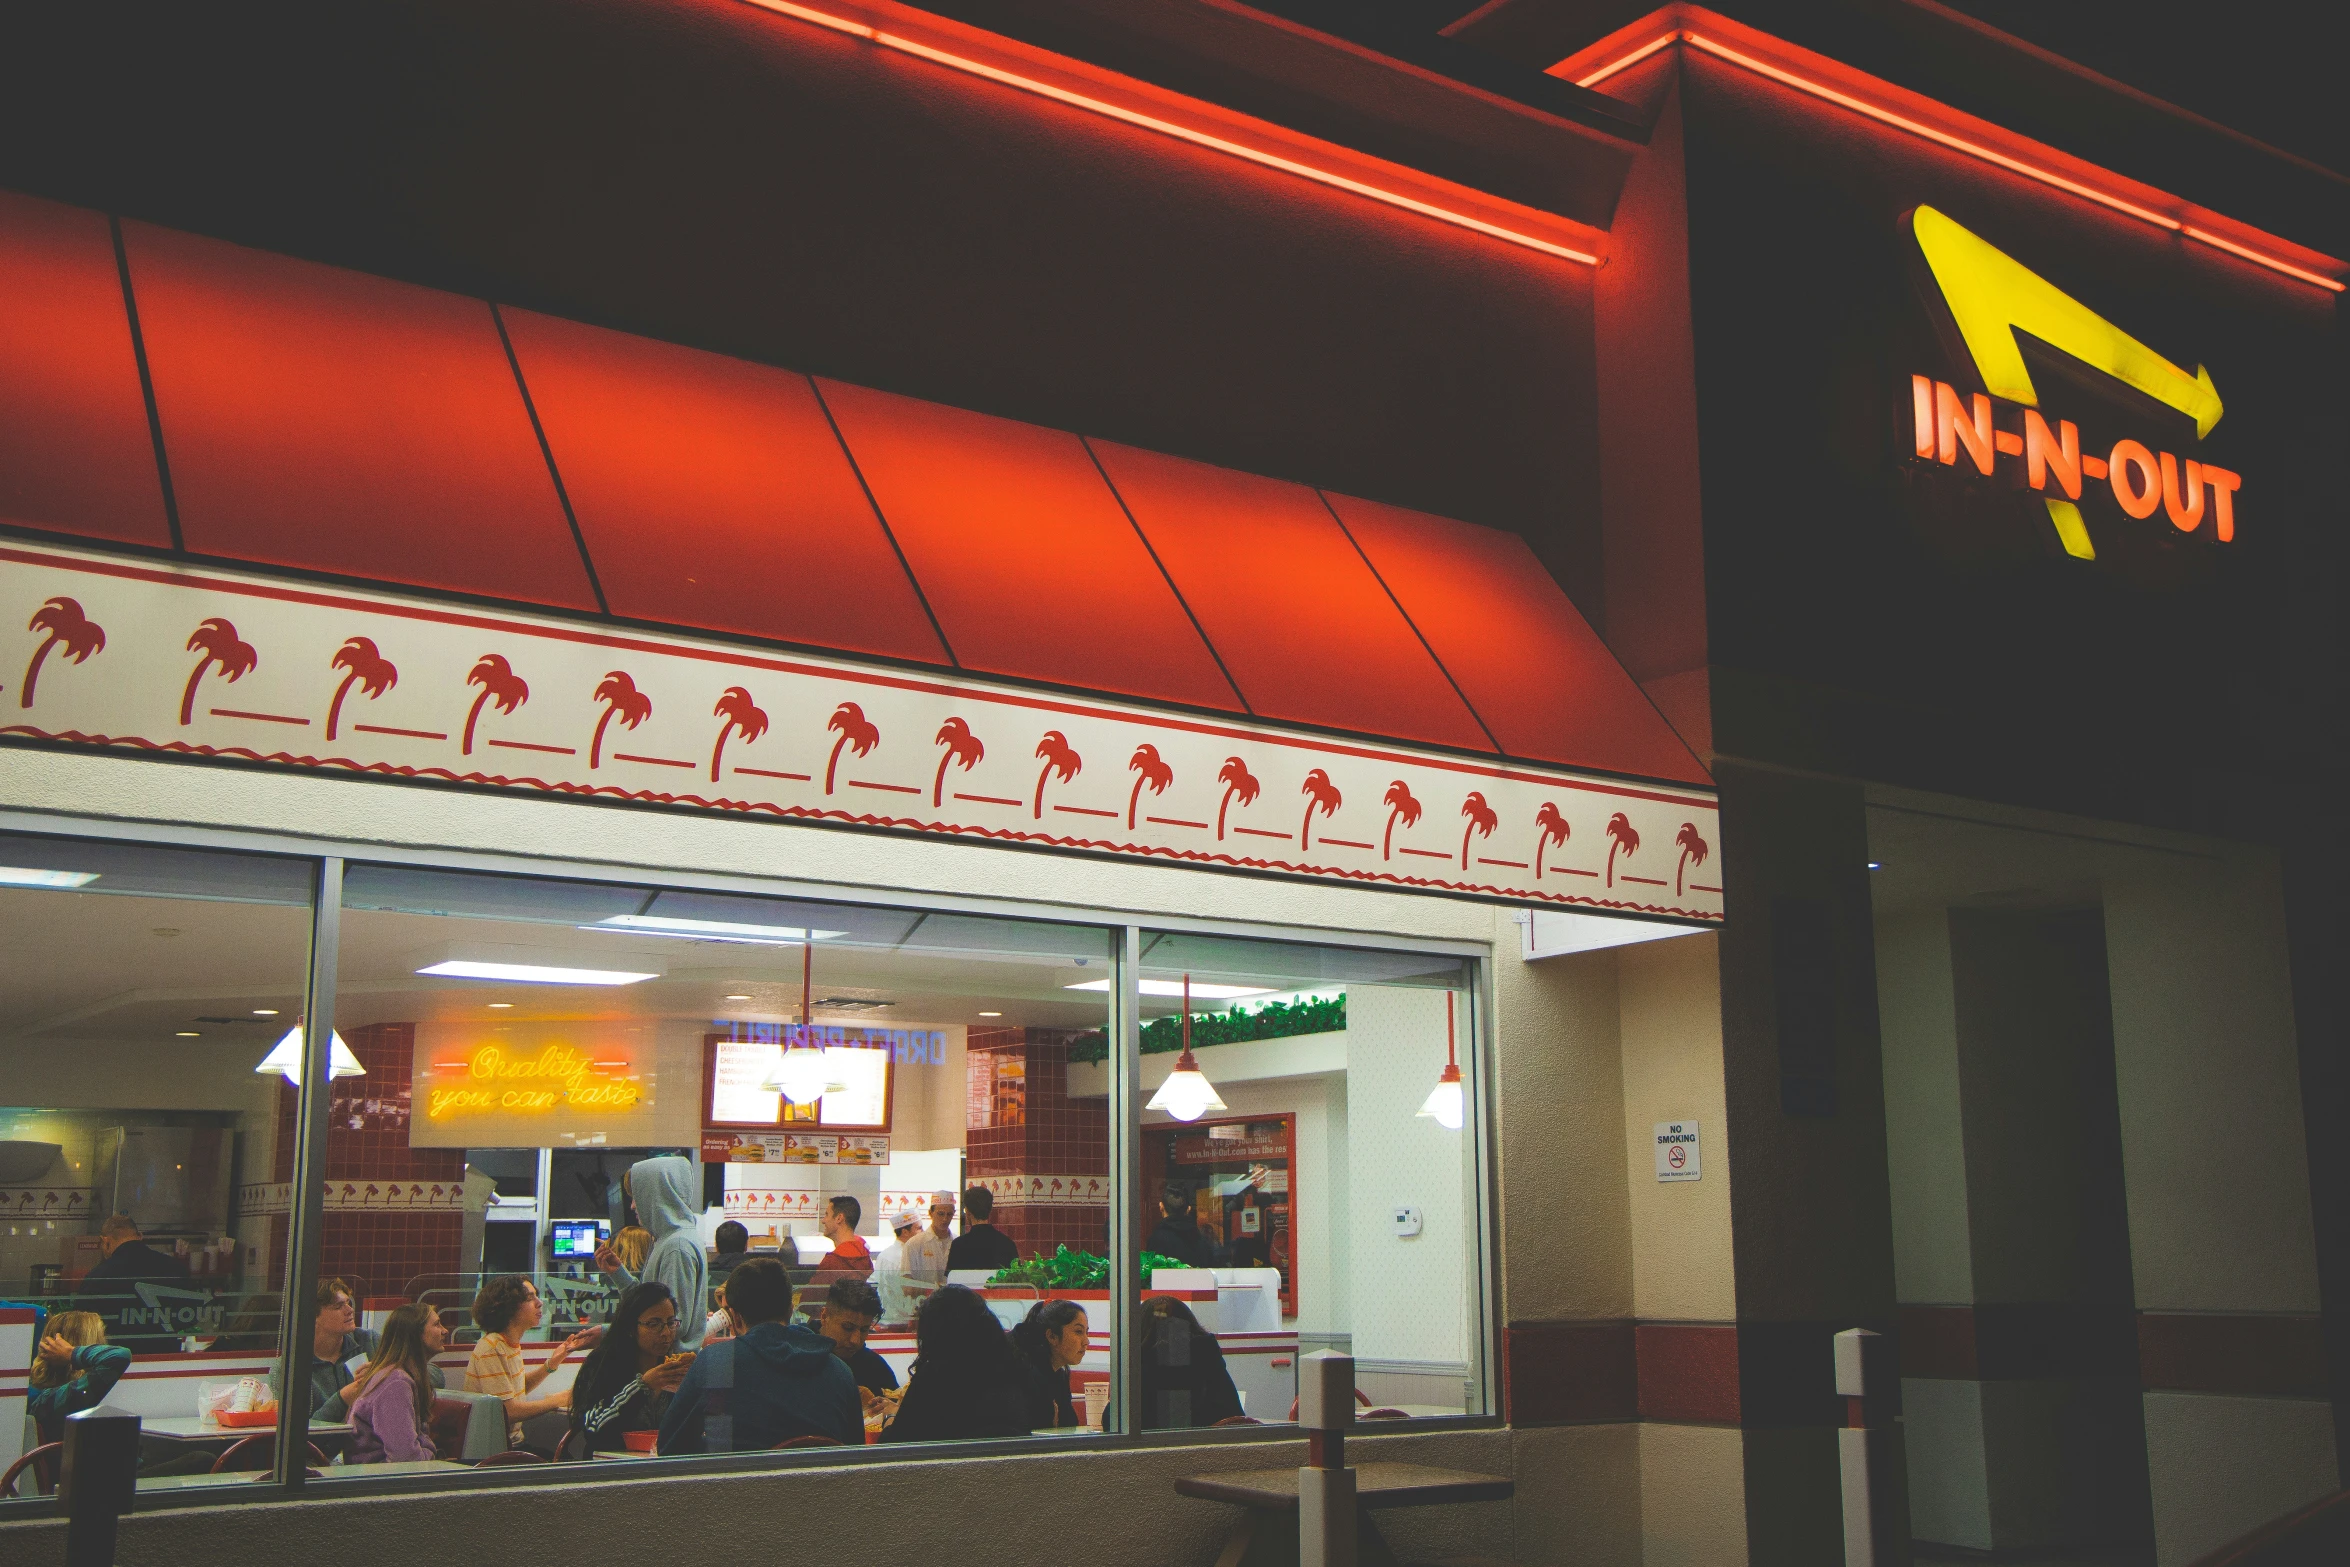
(1075, 1270)
(1274, 1020)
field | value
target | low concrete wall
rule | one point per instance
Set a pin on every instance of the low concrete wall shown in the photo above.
(1013, 1511)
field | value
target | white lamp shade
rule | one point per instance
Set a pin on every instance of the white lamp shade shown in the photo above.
(1443, 1104)
(1186, 1094)
(803, 1075)
(286, 1057)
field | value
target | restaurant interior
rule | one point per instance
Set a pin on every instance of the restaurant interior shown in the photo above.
(507, 1050)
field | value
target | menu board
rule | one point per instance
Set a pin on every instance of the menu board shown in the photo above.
(857, 1076)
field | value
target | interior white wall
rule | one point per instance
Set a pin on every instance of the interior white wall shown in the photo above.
(1412, 1295)
(2223, 1466)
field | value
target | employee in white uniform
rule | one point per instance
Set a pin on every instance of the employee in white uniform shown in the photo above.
(926, 1253)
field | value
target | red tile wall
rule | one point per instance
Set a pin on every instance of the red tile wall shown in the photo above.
(367, 1139)
(1061, 1136)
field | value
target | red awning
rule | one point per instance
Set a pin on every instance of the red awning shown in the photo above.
(327, 421)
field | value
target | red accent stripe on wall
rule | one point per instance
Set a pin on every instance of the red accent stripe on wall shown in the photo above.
(2277, 1356)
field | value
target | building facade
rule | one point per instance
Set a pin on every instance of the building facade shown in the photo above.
(1765, 586)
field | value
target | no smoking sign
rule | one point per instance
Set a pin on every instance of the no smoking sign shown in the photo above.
(1676, 1151)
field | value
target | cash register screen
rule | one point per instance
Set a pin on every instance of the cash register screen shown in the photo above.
(580, 1238)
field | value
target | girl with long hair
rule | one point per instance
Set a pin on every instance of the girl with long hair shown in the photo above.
(1184, 1379)
(75, 1369)
(391, 1403)
(626, 1382)
(1052, 1340)
(968, 1380)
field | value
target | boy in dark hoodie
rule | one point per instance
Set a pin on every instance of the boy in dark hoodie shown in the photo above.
(770, 1382)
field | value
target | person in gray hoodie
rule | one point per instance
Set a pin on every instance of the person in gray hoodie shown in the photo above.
(667, 1193)
(769, 1383)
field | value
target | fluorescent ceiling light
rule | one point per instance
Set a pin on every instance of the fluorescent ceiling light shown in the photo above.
(26, 876)
(1171, 987)
(711, 930)
(533, 973)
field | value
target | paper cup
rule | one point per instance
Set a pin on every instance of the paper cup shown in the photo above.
(1097, 1400)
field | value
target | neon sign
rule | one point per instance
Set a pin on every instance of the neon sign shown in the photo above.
(1995, 304)
(496, 1080)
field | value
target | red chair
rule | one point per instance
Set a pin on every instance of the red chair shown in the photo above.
(572, 1448)
(42, 1461)
(810, 1440)
(1385, 1414)
(1239, 1420)
(512, 1455)
(258, 1452)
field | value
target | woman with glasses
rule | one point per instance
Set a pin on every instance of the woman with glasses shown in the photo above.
(626, 1381)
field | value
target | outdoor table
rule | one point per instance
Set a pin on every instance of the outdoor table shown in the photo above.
(191, 1428)
(339, 1472)
(1266, 1535)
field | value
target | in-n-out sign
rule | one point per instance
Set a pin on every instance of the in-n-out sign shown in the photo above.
(1949, 423)
(1991, 299)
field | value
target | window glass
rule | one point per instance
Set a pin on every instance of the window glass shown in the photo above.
(146, 1146)
(627, 1169)
(1313, 1184)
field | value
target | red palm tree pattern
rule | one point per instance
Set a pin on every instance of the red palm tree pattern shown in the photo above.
(622, 700)
(1554, 829)
(848, 720)
(1400, 806)
(743, 717)
(66, 628)
(500, 684)
(1693, 848)
(1237, 780)
(216, 639)
(1148, 768)
(1321, 795)
(961, 746)
(1620, 836)
(1482, 821)
(363, 667)
(1059, 761)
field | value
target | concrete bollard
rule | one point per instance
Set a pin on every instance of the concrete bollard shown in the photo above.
(1876, 1523)
(96, 1482)
(1326, 1487)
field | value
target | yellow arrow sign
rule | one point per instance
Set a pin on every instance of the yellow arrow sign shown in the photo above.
(1991, 296)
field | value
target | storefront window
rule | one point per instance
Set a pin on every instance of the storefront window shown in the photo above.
(634, 1169)
(146, 1148)
(1315, 1185)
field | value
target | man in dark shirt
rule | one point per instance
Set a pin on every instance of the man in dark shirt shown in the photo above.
(981, 1245)
(111, 1289)
(1177, 1234)
(734, 1244)
(851, 1307)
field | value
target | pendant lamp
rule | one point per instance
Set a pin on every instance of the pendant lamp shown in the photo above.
(1186, 1094)
(286, 1057)
(1443, 1104)
(803, 1074)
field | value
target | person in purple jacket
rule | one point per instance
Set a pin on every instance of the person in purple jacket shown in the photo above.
(391, 1403)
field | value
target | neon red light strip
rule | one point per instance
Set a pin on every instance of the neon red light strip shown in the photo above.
(1972, 149)
(1197, 138)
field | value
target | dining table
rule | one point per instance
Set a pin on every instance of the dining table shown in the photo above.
(1266, 1534)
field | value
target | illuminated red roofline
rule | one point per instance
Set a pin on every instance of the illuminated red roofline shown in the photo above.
(1164, 113)
(1875, 99)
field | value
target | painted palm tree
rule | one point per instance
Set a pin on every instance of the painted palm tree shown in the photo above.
(363, 666)
(1321, 795)
(1400, 807)
(216, 639)
(848, 721)
(1149, 768)
(1237, 780)
(1554, 829)
(65, 628)
(1693, 849)
(1620, 836)
(500, 684)
(1059, 761)
(962, 746)
(622, 700)
(743, 717)
(1482, 821)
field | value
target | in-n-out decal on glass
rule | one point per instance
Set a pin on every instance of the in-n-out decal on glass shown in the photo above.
(217, 664)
